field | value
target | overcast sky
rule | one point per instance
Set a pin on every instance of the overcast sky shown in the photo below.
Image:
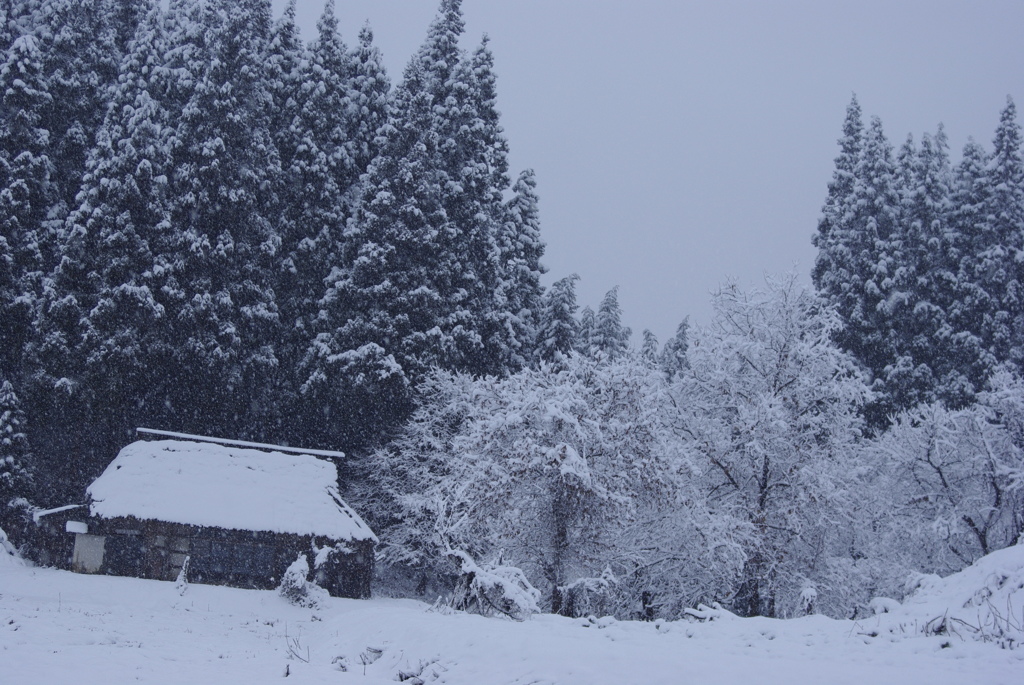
(679, 144)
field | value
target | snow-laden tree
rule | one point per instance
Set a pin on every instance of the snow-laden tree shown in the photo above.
(516, 309)
(330, 101)
(649, 347)
(673, 359)
(14, 452)
(102, 335)
(988, 222)
(418, 283)
(557, 327)
(16, 482)
(973, 306)
(610, 337)
(79, 43)
(225, 167)
(369, 100)
(1004, 229)
(8, 25)
(933, 358)
(285, 59)
(379, 325)
(314, 195)
(494, 245)
(394, 288)
(860, 251)
(955, 480)
(770, 413)
(566, 471)
(923, 263)
(586, 325)
(28, 192)
(833, 255)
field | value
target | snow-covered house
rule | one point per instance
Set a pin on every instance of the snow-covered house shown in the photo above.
(239, 515)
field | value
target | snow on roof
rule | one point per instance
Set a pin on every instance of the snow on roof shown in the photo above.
(222, 486)
(240, 443)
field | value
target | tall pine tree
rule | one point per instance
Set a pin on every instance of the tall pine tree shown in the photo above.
(81, 54)
(1004, 227)
(833, 257)
(860, 254)
(102, 345)
(673, 359)
(557, 327)
(972, 306)
(518, 292)
(28, 192)
(15, 480)
(225, 167)
(369, 101)
(610, 337)
(420, 280)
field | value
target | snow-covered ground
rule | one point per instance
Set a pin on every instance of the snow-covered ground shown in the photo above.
(58, 627)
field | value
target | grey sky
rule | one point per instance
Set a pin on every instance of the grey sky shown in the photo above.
(678, 144)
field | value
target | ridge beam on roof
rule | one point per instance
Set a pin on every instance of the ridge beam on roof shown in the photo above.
(242, 443)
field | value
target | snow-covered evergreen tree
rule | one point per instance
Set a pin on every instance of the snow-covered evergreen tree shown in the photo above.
(905, 169)
(587, 324)
(341, 103)
(80, 48)
(380, 316)
(557, 327)
(925, 277)
(14, 449)
(101, 345)
(119, 234)
(284, 65)
(8, 27)
(27, 194)
(921, 262)
(369, 100)
(311, 94)
(673, 359)
(418, 283)
(1004, 226)
(125, 17)
(649, 348)
(517, 300)
(610, 337)
(393, 289)
(972, 305)
(860, 252)
(496, 305)
(833, 256)
(224, 163)
(17, 18)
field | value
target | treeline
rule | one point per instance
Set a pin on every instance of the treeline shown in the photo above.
(209, 226)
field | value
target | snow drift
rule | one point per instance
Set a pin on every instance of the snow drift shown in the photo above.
(984, 602)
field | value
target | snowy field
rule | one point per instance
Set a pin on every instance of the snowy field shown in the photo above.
(62, 627)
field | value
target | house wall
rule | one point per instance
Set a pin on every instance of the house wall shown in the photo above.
(49, 542)
(348, 574)
(217, 556)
